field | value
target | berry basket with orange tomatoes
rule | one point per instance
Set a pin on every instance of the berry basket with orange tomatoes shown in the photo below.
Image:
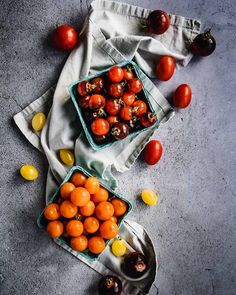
(84, 214)
(113, 104)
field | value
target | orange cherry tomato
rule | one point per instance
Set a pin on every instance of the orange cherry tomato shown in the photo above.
(120, 206)
(65, 234)
(100, 126)
(79, 243)
(78, 179)
(109, 230)
(66, 189)
(52, 212)
(80, 196)
(96, 245)
(55, 229)
(88, 209)
(128, 98)
(104, 210)
(101, 195)
(113, 219)
(68, 209)
(165, 68)
(92, 185)
(74, 228)
(91, 224)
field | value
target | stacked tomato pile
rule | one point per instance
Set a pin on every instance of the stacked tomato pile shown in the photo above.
(113, 105)
(85, 214)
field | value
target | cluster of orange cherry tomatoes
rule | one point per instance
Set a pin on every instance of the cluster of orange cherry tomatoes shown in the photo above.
(113, 104)
(85, 214)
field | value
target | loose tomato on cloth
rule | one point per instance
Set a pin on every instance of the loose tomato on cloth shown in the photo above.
(64, 37)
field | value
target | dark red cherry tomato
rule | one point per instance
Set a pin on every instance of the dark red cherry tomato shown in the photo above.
(112, 119)
(64, 37)
(84, 101)
(139, 107)
(128, 98)
(98, 84)
(96, 101)
(158, 22)
(100, 138)
(128, 74)
(152, 152)
(113, 106)
(115, 74)
(119, 130)
(84, 88)
(126, 113)
(110, 285)
(89, 115)
(165, 68)
(182, 96)
(135, 85)
(100, 127)
(203, 44)
(134, 123)
(115, 90)
(148, 119)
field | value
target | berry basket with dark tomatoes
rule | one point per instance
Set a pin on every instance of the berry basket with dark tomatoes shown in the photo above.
(112, 104)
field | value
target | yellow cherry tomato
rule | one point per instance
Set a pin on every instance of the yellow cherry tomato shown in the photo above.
(38, 121)
(29, 172)
(67, 157)
(118, 247)
(149, 197)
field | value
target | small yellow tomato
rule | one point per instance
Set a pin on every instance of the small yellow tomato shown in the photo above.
(118, 247)
(38, 121)
(67, 157)
(149, 197)
(29, 172)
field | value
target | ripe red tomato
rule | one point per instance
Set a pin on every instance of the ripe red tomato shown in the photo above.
(112, 119)
(115, 90)
(128, 74)
(96, 101)
(126, 113)
(165, 68)
(64, 37)
(128, 98)
(115, 74)
(158, 22)
(182, 96)
(139, 107)
(113, 106)
(148, 119)
(100, 126)
(152, 152)
(135, 85)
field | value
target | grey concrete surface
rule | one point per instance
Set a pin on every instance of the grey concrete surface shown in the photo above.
(193, 227)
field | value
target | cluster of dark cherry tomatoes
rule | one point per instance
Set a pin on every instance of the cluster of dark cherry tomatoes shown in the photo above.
(113, 104)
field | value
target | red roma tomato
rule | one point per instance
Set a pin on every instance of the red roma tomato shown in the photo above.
(128, 74)
(152, 152)
(165, 68)
(135, 85)
(128, 98)
(182, 96)
(96, 101)
(113, 106)
(112, 119)
(115, 74)
(139, 107)
(126, 113)
(100, 126)
(64, 37)
(115, 90)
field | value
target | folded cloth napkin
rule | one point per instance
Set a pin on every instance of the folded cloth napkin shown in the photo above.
(111, 34)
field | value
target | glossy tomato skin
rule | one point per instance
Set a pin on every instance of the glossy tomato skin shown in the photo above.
(165, 68)
(113, 106)
(182, 96)
(96, 101)
(203, 44)
(135, 85)
(139, 108)
(100, 126)
(152, 152)
(115, 90)
(119, 131)
(158, 22)
(89, 115)
(98, 84)
(84, 101)
(112, 119)
(84, 88)
(128, 74)
(128, 98)
(115, 74)
(126, 113)
(64, 37)
(148, 119)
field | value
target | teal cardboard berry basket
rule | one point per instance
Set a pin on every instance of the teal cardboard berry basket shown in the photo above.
(74, 96)
(42, 222)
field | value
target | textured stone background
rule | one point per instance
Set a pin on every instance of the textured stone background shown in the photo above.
(193, 228)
